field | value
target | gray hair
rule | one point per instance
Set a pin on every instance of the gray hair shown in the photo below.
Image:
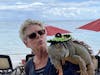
(26, 24)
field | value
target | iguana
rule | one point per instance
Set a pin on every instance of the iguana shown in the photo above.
(63, 48)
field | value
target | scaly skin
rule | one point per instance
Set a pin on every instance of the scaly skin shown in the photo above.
(72, 52)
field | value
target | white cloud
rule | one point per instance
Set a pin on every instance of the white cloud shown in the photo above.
(59, 10)
(19, 3)
(19, 6)
(73, 10)
(69, 4)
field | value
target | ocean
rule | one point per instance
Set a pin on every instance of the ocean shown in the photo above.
(11, 44)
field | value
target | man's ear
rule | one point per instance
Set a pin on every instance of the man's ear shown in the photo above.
(26, 43)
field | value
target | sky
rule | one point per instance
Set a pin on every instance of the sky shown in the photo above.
(19, 10)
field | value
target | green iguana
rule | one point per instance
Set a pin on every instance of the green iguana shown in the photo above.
(64, 48)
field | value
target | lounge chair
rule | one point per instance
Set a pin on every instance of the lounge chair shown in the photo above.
(21, 68)
(98, 59)
(6, 66)
(28, 56)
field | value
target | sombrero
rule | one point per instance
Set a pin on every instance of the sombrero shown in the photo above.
(60, 38)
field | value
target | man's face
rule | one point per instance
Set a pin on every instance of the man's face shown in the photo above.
(35, 37)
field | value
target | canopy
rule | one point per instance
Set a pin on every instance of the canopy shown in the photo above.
(51, 30)
(94, 26)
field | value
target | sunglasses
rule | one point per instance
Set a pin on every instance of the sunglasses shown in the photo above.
(34, 34)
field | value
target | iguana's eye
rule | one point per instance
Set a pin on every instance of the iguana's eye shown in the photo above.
(61, 44)
(58, 45)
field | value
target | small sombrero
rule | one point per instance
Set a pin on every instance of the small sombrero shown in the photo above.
(60, 38)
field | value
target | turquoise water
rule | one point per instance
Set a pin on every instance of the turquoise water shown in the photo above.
(11, 44)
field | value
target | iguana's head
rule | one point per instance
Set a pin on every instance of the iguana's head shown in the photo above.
(58, 45)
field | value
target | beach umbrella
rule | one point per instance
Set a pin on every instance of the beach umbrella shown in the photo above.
(94, 26)
(52, 30)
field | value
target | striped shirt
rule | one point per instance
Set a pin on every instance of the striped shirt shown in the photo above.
(40, 71)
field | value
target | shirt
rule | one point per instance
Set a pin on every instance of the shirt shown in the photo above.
(49, 69)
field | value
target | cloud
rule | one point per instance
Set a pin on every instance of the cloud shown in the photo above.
(74, 10)
(57, 10)
(20, 5)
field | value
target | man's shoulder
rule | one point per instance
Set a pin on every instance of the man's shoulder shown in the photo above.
(69, 65)
(29, 63)
(29, 67)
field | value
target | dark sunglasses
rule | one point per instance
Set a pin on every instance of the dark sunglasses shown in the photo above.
(34, 34)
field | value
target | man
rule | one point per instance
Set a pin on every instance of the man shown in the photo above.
(33, 34)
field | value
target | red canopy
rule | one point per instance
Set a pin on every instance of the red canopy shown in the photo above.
(51, 30)
(94, 25)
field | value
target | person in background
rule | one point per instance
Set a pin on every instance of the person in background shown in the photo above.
(33, 35)
(98, 59)
(98, 52)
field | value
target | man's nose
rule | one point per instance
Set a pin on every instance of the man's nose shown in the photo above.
(37, 35)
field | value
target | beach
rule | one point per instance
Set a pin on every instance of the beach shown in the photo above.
(65, 14)
(14, 47)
